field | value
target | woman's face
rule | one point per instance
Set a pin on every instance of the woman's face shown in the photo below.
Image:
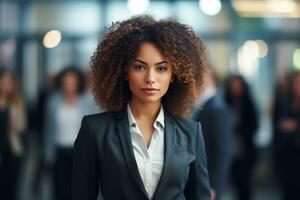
(70, 84)
(6, 84)
(236, 87)
(149, 75)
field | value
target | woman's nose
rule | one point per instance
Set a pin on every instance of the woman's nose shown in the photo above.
(150, 78)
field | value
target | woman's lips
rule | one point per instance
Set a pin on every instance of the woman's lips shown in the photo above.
(150, 91)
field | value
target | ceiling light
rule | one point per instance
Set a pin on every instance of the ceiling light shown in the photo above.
(210, 7)
(52, 39)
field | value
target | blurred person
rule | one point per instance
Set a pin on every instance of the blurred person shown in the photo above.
(144, 74)
(244, 126)
(64, 112)
(281, 97)
(213, 114)
(286, 141)
(12, 125)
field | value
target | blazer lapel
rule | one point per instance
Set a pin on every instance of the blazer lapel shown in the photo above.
(169, 143)
(127, 149)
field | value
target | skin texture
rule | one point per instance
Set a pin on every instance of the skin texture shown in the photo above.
(149, 70)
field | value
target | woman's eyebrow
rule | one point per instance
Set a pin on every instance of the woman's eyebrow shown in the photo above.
(141, 61)
(162, 62)
(159, 63)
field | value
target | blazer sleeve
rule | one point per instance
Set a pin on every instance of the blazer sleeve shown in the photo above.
(220, 147)
(197, 187)
(85, 173)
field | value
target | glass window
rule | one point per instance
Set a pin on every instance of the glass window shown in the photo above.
(59, 57)
(188, 12)
(9, 14)
(117, 11)
(219, 56)
(78, 17)
(160, 10)
(284, 55)
(85, 49)
(31, 70)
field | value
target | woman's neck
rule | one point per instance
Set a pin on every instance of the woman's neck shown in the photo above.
(70, 99)
(147, 111)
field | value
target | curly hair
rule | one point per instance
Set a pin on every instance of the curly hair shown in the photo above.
(183, 49)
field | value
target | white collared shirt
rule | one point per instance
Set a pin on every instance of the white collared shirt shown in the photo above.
(150, 160)
(68, 124)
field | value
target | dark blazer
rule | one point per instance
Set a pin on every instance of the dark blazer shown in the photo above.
(104, 159)
(217, 133)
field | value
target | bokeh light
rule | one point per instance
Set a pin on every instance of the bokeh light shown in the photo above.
(52, 39)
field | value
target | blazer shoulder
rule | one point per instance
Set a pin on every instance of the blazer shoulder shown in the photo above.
(98, 118)
(188, 126)
(188, 130)
(187, 122)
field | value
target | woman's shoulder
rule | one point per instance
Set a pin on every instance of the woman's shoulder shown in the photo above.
(187, 126)
(187, 130)
(187, 122)
(99, 117)
(100, 124)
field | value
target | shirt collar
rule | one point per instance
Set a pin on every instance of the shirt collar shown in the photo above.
(160, 117)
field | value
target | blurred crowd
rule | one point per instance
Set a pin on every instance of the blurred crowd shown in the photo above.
(226, 110)
(52, 125)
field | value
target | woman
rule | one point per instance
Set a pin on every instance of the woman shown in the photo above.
(12, 125)
(146, 74)
(244, 124)
(287, 139)
(64, 113)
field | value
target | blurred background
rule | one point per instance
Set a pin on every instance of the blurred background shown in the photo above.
(44, 41)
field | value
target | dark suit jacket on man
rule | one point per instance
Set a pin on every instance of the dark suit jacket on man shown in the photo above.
(104, 159)
(214, 117)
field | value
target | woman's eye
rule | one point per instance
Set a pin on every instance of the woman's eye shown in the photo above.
(161, 69)
(139, 67)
